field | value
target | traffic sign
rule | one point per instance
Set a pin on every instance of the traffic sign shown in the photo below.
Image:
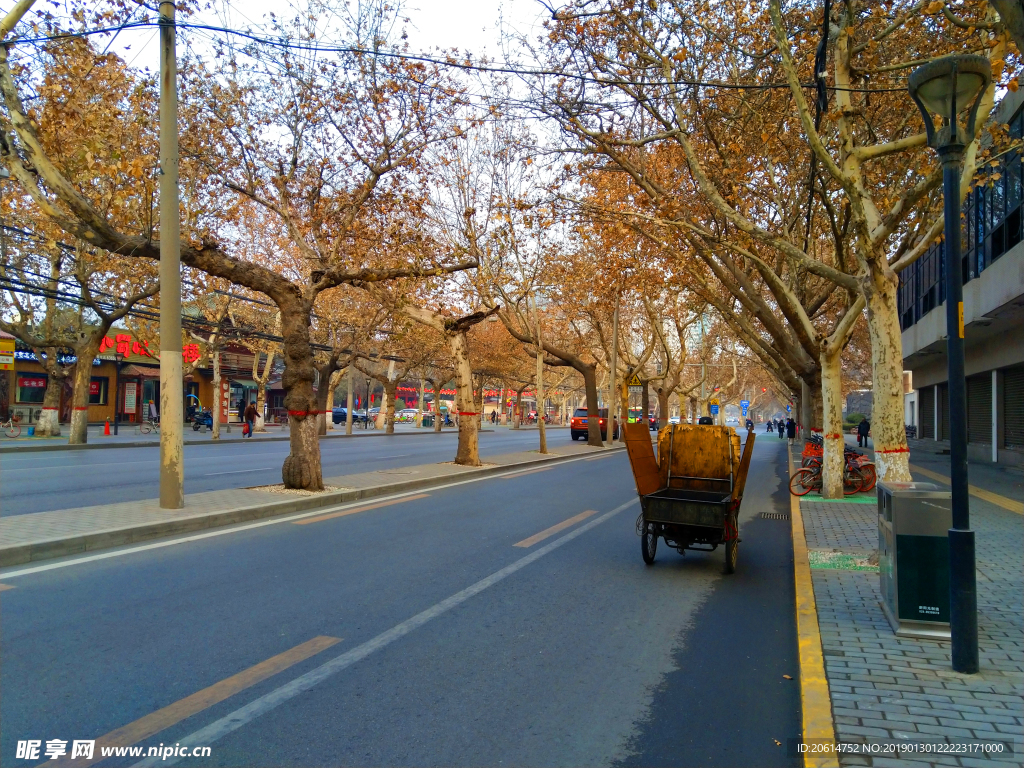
(634, 381)
(744, 404)
(789, 408)
(744, 411)
(714, 409)
(714, 401)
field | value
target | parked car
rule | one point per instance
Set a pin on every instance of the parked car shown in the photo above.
(578, 424)
(338, 416)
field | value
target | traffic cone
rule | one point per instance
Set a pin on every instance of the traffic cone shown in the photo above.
(106, 427)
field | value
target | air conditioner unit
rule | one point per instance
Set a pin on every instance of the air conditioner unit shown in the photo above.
(24, 413)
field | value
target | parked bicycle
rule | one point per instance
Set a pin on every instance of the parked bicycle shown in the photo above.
(858, 471)
(11, 427)
(147, 426)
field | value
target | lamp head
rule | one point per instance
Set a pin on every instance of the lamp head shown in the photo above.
(946, 87)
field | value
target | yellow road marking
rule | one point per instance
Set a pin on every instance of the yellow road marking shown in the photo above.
(355, 510)
(815, 700)
(174, 713)
(526, 472)
(981, 493)
(6, 586)
(555, 529)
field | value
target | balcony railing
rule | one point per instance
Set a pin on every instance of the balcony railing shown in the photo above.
(991, 226)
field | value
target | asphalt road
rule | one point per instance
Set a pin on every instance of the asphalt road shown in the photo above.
(37, 482)
(454, 646)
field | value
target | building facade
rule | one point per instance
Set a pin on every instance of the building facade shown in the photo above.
(993, 274)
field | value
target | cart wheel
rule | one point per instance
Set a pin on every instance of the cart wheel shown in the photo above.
(731, 553)
(195, 426)
(649, 544)
(14, 430)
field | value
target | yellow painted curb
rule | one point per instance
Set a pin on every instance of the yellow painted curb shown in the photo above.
(981, 493)
(815, 700)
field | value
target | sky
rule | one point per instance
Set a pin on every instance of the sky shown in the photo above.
(469, 25)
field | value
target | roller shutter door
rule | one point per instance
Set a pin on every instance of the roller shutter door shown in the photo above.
(1013, 408)
(979, 408)
(926, 413)
(944, 411)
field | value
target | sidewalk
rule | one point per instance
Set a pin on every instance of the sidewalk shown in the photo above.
(887, 689)
(43, 535)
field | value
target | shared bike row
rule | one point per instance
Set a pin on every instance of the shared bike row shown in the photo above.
(858, 470)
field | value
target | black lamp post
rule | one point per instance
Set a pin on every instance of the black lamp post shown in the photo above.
(118, 359)
(946, 87)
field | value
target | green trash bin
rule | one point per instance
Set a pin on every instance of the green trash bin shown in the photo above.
(913, 558)
(428, 419)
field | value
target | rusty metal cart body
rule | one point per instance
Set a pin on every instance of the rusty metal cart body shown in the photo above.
(691, 496)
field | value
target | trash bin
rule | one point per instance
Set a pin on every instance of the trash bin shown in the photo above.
(428, 419)
(913, 558)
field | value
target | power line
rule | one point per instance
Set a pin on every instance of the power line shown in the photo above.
(504, 69)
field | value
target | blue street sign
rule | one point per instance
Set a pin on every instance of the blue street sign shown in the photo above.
(789, 408)
(744, 411)
(714, 410)
(744, 404)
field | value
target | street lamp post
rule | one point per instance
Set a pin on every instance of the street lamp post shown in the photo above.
(366, 406)
(946, 87)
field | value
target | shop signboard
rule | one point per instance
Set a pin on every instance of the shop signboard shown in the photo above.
(130, 396)
(6, 354)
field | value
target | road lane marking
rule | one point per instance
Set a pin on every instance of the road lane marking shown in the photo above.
(549, 532)
(981, 493)
(275, 698)
(229, 530)
(174, 713)
(356, 510)
(399, 456)
(815, 699)
(239, 471)
(526, 472)
(595, 458)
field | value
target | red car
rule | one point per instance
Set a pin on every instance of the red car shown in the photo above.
(578, 424)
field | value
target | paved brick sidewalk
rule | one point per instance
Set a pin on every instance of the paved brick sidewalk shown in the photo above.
(885, 688)
(57, 533)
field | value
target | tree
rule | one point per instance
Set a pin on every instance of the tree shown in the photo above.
(320, 153)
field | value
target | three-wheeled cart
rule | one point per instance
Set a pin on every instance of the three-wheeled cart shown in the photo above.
(690, 495)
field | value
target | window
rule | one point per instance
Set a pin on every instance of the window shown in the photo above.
(31, 387)
(98, 390)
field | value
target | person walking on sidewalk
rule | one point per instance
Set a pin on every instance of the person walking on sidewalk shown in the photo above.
(780, 427)
(862, 432)
(791, 430)
(250, 418)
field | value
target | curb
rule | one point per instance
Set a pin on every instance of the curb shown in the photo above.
(815, 699)
(115, 537)
(222, 441)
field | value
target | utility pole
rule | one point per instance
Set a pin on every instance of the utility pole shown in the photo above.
(613, 400)
(540, 381)
(703, 365)
(172, 464)
(349, 397)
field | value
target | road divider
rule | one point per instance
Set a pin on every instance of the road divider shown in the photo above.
(275, 698)
(357, 510)
(281, 509)
(549, 532)
(182, 709)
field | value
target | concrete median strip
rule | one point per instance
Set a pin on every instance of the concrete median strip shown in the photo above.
(61, 533)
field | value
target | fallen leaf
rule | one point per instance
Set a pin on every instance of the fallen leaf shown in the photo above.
(777, 742)
(787, 677)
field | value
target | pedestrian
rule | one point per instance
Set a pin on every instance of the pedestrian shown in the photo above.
(242, 403)
(780, 427)
(791, 430)
(250, 418)
(862, 432)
